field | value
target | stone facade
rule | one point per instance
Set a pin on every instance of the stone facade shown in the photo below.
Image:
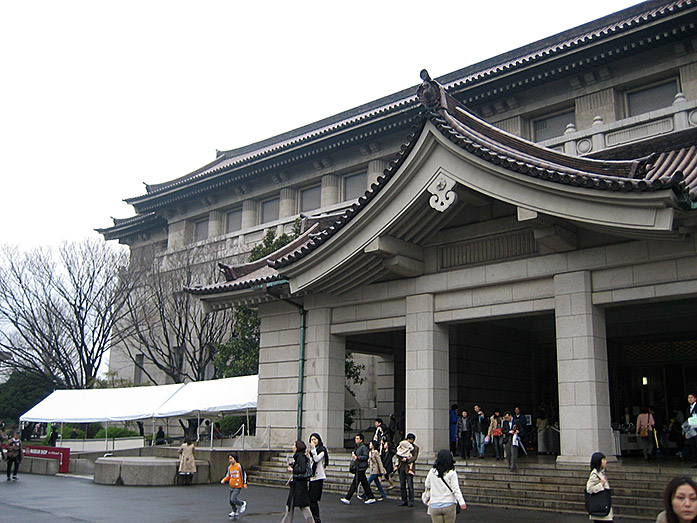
(461, 279)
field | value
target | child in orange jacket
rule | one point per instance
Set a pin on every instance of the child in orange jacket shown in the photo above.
(236, 478)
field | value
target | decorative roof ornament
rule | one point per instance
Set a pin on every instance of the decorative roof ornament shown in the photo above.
(442, 194)
(430, 93)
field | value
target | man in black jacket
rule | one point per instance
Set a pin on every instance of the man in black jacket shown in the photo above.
(406, 473)
(358, 466)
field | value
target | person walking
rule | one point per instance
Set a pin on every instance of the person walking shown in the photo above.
(406, 480)
(480, 426)
(187, 461)
(13, 455)
(464, 434)
(444, 487)
(387, 454)
(645, 425)
(236, 478)
(453, 428)
(495, 433)
(298, 495)
(358, 467)
(689, 428)
(511, 440)
(597, 482)
(319, 455)
(375, 468)
(680, 501)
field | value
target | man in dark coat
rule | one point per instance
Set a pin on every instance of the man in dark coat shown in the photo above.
(358, 467)
(406, 476)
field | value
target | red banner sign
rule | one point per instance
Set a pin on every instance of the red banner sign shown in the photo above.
(61, 454)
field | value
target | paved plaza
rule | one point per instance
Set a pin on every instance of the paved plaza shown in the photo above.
(63, 499)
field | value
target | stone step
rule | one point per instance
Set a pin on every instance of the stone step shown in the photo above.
(637, 491)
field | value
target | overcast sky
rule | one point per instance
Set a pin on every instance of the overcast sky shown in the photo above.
(98, 97)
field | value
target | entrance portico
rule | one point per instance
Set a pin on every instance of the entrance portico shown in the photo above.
(468, 224)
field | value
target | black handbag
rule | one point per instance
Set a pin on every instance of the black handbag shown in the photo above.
(599, 504)
(353, 467)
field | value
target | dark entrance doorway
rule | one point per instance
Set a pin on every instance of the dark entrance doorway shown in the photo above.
(652, 356)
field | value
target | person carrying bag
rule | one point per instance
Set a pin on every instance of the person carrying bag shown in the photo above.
(444, 498)
(597, 492)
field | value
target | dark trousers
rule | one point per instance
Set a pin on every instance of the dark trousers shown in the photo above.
(406, 485)
(691, 447)
(465, 445)
(11, 461)
(315, 497)
(359, 477)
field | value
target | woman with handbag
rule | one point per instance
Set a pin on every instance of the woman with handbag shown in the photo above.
(645, 424)
(443, 495)
(496, 433)
(598, 490)
(299, 495)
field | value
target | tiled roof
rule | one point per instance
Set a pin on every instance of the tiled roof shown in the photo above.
(121, 225)
(259, 271)
(513, 153)
(606, 27)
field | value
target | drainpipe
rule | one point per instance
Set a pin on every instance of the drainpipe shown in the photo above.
(301, 363)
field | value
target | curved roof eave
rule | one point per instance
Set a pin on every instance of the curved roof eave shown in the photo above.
(568, 41)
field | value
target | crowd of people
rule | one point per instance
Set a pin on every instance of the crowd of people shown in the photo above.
(469, 435)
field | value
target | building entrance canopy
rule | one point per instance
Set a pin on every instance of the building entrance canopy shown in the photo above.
(134, 403)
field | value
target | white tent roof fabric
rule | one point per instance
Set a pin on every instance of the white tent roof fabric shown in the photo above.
(132, 403)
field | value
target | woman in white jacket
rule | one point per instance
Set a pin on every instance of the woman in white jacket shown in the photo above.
(445, 489)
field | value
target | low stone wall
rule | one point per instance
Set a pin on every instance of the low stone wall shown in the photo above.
(150, 471)
(33, 465)
(216, 460)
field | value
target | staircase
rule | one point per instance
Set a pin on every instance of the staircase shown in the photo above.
(538, 484)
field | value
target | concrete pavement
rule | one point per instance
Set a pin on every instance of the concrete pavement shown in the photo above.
(64, 499)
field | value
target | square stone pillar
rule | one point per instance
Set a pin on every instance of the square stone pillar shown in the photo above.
(427, 375)
(325, 382)
(386, 385)
(584, 394)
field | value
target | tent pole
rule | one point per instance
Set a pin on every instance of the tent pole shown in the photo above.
(152, 442)
(106, 437)
(247, 409)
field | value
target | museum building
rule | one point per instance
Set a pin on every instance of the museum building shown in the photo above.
(517, 232)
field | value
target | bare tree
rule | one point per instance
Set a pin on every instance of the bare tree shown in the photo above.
(165, 328)
(58, 309)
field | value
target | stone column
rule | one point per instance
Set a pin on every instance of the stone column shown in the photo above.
(386, 384)
(288, 202)
(584, 394)
(216, 225)
(330, 190)
(427, 375)
(250, 213)
(279, 351)
(323, 402)
(375, 169)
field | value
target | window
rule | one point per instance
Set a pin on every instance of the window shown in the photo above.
(650, 98)
(355, 186)
(552, 126)
(310, 198)
(233, 221)
(201, 230)
(269, 210)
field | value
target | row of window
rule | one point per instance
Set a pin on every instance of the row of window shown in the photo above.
(309, 199)
(636, 102)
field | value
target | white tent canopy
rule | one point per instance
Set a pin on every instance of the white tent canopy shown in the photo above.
(224, 395)
(133, 403)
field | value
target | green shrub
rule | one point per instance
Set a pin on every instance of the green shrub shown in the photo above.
(116, 432)
(229, 425)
